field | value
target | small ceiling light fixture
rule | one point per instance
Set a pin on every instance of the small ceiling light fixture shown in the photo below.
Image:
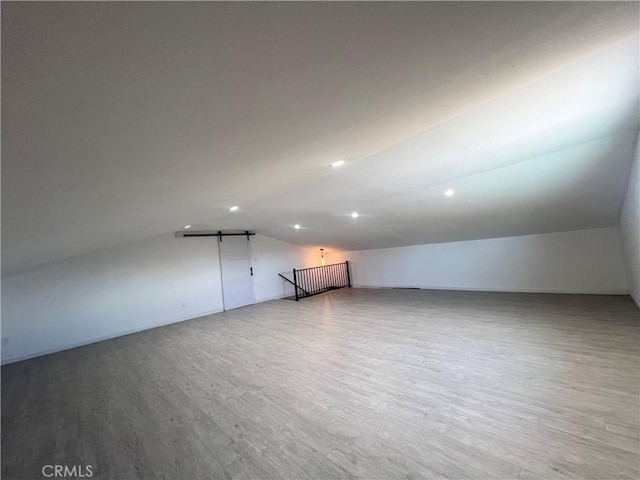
(187, 226)
(234, 208)
(450, 192)
(354, 214)
(337, 163)
(296, 226)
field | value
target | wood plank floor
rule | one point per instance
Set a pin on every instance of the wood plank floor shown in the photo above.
(375, 384)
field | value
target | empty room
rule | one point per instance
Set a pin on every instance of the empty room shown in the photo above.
(320, 240)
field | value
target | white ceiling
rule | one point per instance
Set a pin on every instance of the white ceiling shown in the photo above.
(123, 121)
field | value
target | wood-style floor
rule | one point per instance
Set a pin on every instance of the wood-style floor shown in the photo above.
(374, 384)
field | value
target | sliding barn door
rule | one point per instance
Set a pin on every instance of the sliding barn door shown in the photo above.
(237, 273)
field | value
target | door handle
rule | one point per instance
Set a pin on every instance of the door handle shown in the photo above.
(251, 270)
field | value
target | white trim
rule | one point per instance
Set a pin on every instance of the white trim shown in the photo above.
(27, 356)
(218, 242)
(505, 290)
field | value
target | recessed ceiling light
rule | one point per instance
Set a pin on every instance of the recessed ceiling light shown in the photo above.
(234, 208)
(450, 192)
(187, 226)
(296, 226)
(354, 214)
(337, 163)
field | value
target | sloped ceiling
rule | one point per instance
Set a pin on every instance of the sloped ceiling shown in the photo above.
(123, 121)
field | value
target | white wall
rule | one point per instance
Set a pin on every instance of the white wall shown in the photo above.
(139, 286)
(630, 226)
(587, 261)
(271, 257)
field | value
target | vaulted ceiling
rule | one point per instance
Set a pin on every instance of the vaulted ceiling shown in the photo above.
(124, 120)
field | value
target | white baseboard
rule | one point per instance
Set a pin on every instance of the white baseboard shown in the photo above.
(505, 290)
(18, 358)
(27, 356)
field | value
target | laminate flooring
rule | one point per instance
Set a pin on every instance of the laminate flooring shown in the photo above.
(357, 383)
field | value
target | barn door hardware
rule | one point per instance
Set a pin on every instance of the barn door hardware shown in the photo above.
(218, 234)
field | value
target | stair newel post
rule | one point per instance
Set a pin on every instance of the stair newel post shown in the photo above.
(346, 264)
(295, 284)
